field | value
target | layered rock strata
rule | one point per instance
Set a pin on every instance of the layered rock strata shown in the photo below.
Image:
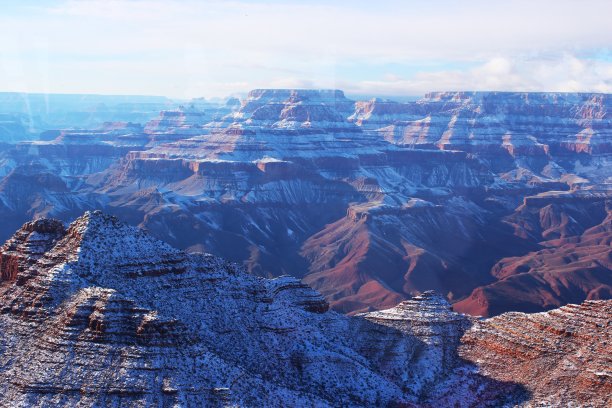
(101, 313)
(370, 202)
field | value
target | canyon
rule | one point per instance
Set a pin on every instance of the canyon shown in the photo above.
(98, 312)
(498, 201)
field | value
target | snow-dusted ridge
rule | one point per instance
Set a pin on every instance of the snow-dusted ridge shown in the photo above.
(100, 313)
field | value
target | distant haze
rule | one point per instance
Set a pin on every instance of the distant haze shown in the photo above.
(185, 49)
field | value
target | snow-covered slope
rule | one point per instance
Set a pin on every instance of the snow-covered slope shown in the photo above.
(109, 315)
(101, 313)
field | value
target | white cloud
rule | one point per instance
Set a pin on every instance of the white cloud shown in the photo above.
(189, 48)
(562, 73)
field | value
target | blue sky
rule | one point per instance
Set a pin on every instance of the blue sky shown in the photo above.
(216, 48)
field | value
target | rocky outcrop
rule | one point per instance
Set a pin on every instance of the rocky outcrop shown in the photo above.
(429, 318)
(290, 107)
(106, 314)
(520, 124)
(573, 264)
(377, 255)
(562, 357)
(277, 176)
(28, 244)
(110, 315)
(185, 120)
(297, 292)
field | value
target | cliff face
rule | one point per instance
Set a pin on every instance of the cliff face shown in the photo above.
(370, 202)
(28, 245)
(561, 356)
(188, 329)
(184, 121)
(102, 313)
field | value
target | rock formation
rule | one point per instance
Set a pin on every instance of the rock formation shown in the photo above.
(485, 197)
(101, 313)
(574, 264)
(562, 357)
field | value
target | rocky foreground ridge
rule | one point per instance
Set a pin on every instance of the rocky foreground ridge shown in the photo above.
(100, 313)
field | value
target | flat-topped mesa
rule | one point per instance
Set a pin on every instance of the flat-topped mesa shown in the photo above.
(530, 98)
(377, 113)
(296, 109)
(423, 309)
(111, 134)
(590, 108)
(282, 95)
(122, 126)
(525, 124)
(28, 244)
(429, 318)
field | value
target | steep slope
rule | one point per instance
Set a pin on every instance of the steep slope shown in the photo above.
(519, 124)
(109, 315)
(378, 255)
(32, 191)
(101, 313)
(29, 244)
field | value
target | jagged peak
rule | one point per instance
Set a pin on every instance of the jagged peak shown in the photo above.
(34, 237)
(92, 218)
(96, 239)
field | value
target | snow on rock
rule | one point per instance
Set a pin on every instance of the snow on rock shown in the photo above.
(422, 194)
(104, 314)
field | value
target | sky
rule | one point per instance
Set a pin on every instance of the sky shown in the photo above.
(196, 48)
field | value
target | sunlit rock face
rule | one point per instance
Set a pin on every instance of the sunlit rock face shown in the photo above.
(28, 245)
(291, 107)
(429, 318)
(98, 312)
(477, 195)
(574, 264)
(561, 356)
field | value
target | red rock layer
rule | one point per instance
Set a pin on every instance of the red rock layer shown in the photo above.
(562, 357)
